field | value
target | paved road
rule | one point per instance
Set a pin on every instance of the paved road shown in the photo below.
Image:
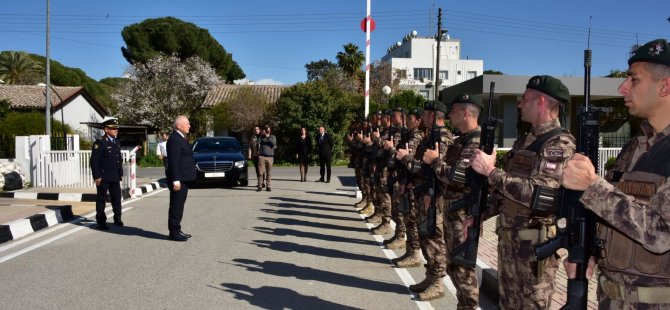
(301, 246)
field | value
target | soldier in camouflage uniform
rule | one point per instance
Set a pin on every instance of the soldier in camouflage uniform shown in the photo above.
(368, 163)
(381, 177)
(355, 146)
(463, 116)
(536, 159)
(432, 238)
(382, 200)
(633, 200)
(397, 123)
(405, 155)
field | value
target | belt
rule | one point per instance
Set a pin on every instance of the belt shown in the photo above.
(641, 294)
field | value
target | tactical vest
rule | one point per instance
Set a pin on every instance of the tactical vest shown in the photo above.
(524, 163)
(649, 173)
(459, 162)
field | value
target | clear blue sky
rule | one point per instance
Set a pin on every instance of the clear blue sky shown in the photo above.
(273, 40)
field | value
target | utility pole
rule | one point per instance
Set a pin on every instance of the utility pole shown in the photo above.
(48, 81)
(438, 37)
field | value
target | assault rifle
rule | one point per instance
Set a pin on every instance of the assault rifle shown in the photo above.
(429, 225)
(576, 224)
(475, 201)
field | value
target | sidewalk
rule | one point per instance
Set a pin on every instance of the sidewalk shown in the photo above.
(488, 253)
(25, 211)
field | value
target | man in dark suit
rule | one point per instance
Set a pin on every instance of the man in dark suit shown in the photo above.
(325, 144)
(181, 171)
(106, 167)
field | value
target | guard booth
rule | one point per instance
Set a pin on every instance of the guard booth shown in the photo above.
(129, 136)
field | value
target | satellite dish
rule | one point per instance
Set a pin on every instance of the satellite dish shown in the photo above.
(414, 33)
(398, 44)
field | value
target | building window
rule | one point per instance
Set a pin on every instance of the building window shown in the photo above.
(402, 74)
(444, 75)
(424, 93)
(472, 74)
(423, 73)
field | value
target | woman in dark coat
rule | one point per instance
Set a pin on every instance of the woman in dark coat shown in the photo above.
(303, 148)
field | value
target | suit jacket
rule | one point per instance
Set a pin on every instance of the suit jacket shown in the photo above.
(325, 145)
(181, 166)
(106, 160)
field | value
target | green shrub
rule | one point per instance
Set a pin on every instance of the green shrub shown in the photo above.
(150, 160)
(610, 163)
(500, 158)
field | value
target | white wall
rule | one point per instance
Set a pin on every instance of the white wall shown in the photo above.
(77, 111)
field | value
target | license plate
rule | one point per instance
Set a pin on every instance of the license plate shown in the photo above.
(215, 174)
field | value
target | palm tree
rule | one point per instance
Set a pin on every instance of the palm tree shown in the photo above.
(351, 59)
(17, 67)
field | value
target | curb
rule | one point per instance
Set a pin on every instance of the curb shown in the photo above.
(80, 197)
(19, 228)
(488, 280)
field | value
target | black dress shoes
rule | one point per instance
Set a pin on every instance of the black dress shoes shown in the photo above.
(268, 189)
(328, 181)
(102, 226)
(319, 180)
(118, 223)
(177, 237)
(185, 234)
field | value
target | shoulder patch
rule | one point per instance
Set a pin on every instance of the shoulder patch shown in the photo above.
(554, 152)
(96, 146)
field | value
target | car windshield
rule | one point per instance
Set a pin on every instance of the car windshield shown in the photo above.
(215, 146)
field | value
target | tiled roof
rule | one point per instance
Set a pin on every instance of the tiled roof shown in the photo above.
(33, 97)
(226, 91)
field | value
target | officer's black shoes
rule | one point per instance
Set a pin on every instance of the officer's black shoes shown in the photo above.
(177, 237)
(319, 180)
(185, 234)
(102, 226)
(259, 189)
(328, 181)
(118, 223)
(268, 189)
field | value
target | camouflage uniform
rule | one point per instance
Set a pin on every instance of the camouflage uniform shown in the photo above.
(412, 244)
(433, 246)
(382, 177)
(464, 278)
(524, 282)
(635, 274)
(395, 171)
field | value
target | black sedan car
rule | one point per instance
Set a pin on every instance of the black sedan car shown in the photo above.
(220, 159)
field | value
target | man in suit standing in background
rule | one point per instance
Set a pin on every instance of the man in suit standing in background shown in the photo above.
(325, 143)
(181, 171)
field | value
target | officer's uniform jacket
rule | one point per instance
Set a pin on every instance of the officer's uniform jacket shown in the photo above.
(634, 210)
(106, 160)
(524, 170)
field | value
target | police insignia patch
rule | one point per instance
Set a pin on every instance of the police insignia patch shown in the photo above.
(95, 146)
(655, 49)
(554, 153)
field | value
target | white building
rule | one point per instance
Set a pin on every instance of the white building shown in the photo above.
(71, 105)
(413, 62)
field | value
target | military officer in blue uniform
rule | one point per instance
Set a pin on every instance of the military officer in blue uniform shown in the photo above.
(106, 166)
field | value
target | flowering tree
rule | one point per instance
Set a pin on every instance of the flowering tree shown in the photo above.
(163, 88)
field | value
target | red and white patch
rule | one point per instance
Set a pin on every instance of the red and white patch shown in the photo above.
(550, 167)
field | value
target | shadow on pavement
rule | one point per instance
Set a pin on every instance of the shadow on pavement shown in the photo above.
(348, 180)
(311, 235)
(309, 214)
(125, 230)
(307, 273)
(301, 206)
(294, 222)
(310, 201)
(289, 247)
(272, 297)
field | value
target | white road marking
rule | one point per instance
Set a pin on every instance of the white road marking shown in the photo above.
(58, 227)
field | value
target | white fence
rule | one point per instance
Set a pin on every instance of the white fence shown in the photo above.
(71, 169)
(605, 154)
